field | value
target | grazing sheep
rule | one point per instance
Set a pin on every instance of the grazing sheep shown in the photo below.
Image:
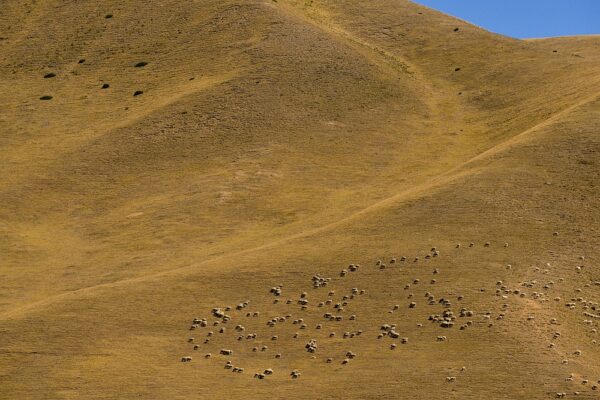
(276, 290)
(329, 360)
(217, 312)
(295, 374)
(311, 346)
(393, 334)
(450, 379)
(346, 361)
(186, 359)
(268, 371)
(226, 352)
(393, 346)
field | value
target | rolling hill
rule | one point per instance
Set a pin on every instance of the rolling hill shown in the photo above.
(170, 161)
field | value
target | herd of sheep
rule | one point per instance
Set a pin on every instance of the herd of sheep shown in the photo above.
(332, 310)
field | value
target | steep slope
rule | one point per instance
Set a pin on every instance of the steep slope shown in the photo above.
(139, 328)
(125, 217)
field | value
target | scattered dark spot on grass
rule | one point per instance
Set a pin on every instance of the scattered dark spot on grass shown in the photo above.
(81, 61)
(456, 69)
(455, 29)
(50, 75)
(555, 51)
(137, 93)
(192, 78)
(141, 64)
(460, 93)
(105, 86)
(107, 16)
(46, 97)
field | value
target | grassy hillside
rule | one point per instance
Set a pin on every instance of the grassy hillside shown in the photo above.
(275, 140)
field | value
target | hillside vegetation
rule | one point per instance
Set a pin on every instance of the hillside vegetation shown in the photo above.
(163, 159)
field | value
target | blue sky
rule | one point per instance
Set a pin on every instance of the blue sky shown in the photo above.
(525, 18)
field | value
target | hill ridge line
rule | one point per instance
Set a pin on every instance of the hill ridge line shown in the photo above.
(436, 181)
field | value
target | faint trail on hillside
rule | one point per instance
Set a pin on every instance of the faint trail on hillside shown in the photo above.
(435, 96)
(73, 142)
(435, 182)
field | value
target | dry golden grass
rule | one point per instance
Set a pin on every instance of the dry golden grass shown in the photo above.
(314, 134)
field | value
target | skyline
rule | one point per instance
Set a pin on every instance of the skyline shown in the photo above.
(525, 19)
